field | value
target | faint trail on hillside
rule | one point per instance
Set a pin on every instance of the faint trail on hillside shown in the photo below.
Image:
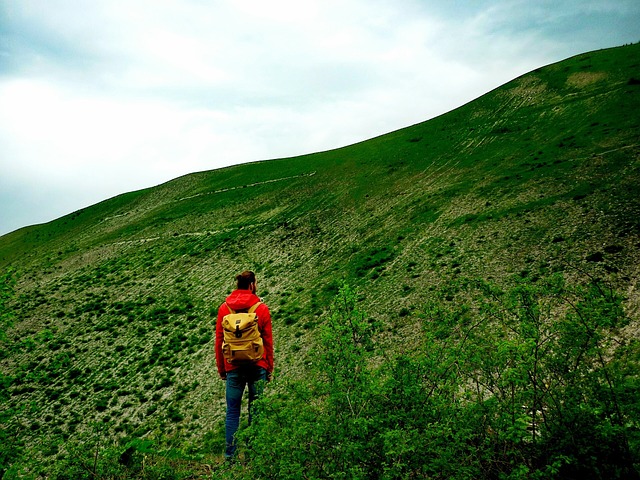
(114, 216)
(188, 234)
(209, 232)
(616, 149)
(137, 240)
(248, 185)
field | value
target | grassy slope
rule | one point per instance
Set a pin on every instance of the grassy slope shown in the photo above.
(115, 301)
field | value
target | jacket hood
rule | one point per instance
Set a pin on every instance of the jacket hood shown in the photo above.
(241, 299)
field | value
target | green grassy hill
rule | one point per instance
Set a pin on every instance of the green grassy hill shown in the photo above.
(114, 304)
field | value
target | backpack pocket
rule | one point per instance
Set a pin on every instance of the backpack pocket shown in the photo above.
(242, 342)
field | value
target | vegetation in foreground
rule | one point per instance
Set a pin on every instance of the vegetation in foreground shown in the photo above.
(530, 382)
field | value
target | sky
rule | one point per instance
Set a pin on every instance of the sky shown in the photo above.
(106, 97)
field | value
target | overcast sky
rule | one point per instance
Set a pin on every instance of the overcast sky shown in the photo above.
(102, 97)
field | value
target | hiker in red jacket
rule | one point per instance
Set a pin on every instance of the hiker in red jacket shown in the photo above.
(248, 374)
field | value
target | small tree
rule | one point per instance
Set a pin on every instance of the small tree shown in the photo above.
(316, 428)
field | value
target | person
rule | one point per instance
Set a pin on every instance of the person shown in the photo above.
(246, 375)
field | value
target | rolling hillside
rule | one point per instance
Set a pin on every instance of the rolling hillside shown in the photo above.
(114, 304)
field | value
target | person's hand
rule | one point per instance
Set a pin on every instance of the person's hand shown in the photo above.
(268, 377)
(223, 376)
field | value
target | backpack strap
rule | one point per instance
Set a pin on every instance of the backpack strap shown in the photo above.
(231, 310)
(253, 307)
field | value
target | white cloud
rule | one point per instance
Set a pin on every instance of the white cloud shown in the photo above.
(103, 97)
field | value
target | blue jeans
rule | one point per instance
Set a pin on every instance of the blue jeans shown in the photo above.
(237, 379)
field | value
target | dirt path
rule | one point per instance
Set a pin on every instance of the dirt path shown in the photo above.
(248, 185)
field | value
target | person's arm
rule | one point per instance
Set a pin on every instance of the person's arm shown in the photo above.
(267, 337)
(219, 337)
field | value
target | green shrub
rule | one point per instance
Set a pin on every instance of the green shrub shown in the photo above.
(373, 259)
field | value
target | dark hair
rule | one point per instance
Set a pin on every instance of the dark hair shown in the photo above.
(245, 279)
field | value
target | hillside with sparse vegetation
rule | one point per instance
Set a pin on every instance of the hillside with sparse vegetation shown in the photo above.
(455, 299)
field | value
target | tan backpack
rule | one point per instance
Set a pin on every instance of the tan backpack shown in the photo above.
(242, 342)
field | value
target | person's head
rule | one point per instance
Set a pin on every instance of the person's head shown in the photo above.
(246, 281)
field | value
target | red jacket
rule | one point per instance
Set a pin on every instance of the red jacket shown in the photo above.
(239, 300)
